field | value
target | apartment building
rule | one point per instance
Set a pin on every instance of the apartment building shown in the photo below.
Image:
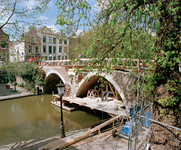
(4, 46)
(53, 46)
(42, 44)
(27, 48)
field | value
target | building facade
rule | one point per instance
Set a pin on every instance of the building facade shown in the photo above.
(32, 43)
(4, 46)
(53, 45)
(27, 49)
(17, 52)
(42, 44)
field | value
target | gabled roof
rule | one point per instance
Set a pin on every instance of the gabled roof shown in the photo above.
(15, 43)
(45, 30)
(2, 32)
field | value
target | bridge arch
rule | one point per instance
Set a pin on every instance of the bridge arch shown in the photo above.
(84, 86)
(55, 72)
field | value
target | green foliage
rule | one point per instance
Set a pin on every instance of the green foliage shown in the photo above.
(163, 112)
(125, 30)
(32, 74)
(21, 84)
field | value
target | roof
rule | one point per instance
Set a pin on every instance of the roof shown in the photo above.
(2, 32)
(45, 30)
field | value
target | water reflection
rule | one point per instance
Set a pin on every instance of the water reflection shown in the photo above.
(34, 117)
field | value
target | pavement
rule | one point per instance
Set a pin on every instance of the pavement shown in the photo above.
(7, 94)
(92, 142)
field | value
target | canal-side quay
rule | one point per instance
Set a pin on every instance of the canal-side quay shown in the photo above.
(92, 140)
(6, 94)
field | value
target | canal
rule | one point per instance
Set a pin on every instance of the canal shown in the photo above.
(34, 117)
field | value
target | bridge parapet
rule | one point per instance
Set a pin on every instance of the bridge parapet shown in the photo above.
(124, 63)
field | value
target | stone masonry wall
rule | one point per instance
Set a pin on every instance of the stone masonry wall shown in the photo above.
(125, 81)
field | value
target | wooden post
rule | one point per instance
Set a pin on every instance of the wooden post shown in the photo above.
(52, 95)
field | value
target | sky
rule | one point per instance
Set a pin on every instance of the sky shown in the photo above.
(48, 18)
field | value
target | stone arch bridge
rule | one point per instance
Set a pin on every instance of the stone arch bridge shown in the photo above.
(122, 81)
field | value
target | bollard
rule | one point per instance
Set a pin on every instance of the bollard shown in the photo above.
(37, 90)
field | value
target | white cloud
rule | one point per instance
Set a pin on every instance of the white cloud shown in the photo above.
(43, 18)
(29, 4)
(98, 6)
(153, 33)
(79, 32)
(50, 3)
(53, 28)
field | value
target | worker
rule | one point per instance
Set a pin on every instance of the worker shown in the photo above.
(80, 56)
(105, 93)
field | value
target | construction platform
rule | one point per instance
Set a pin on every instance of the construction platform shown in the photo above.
(113, 107)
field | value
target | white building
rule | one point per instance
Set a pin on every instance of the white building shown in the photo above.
(53, 46)
(17, 52)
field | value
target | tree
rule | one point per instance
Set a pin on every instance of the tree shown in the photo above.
(108, 35)
(15, 16)
(161, 17)
(13, 68)
(13, 13)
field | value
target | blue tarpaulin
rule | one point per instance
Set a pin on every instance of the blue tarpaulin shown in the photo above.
(146, 120)
(125, 129)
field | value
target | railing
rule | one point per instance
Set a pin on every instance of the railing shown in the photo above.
(112, 62)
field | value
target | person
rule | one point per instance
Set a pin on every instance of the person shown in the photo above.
(80, 56)
(105, 93)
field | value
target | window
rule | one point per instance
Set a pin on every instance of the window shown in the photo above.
(65, 42)
(60, 49)
(30, 49)
(44, 48)
(32, 39)
(62, 57)
(60, 41)
(3, 44)
(37, 49)
(54, 57)
(54, 40)
(65, 57)
(58, 57)
(50, 57)
(44, 39)
(54, 49)
(46, 57)
(50, 49)
(50, 39)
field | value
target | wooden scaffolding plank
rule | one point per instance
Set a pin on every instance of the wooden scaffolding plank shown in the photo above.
(63, 145)
(112, 90)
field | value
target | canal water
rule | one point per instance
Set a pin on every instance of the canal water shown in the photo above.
(34, 117)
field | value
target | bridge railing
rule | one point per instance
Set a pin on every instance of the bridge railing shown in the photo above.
(111, 62)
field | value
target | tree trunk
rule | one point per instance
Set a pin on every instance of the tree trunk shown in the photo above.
(167, 86)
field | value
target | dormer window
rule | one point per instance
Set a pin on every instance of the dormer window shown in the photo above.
(3, 45)
(32, 39)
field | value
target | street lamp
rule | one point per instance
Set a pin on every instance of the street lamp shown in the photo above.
(60, 88)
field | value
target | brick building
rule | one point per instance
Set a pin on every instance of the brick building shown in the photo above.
(4, 48)
(27, 48)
